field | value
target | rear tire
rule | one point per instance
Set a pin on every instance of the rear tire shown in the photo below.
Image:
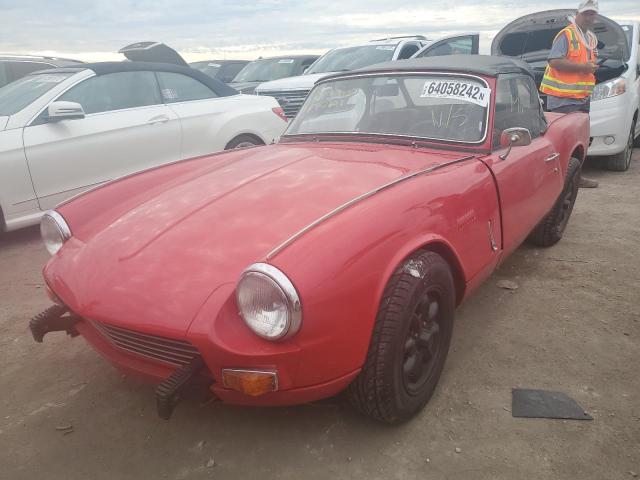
(549, 231)
(410, 341)
(243, 141)
(621, 161)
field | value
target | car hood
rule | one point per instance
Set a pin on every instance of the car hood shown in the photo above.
(301, 82)
(3, 122)
(152, 259)
(152, 52)
(530, 37)
(244, 87)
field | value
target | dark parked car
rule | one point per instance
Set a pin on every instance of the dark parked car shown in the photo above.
(13, 67)
(223, 70)
(273, 68)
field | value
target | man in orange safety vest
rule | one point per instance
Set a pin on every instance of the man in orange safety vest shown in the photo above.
(569, 77)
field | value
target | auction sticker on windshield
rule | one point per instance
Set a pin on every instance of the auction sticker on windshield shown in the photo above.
(457, 90)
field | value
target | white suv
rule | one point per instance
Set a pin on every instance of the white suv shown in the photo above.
(615, 100)
(291, 92)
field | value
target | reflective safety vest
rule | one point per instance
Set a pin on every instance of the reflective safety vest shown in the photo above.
(570, 84)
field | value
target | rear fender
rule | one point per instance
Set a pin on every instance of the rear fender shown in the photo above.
(569, 133)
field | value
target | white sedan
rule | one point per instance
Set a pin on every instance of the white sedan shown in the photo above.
(65, 130)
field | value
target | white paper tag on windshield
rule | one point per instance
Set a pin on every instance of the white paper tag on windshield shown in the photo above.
(457, 90)
(386, 47)
(213, 64)
(286, 60)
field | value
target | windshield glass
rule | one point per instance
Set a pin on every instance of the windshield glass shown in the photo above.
(266, 70)
(441, 107)
(17, 95)
(210, 68)
(345, 59)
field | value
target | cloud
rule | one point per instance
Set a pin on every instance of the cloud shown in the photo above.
(205, 28)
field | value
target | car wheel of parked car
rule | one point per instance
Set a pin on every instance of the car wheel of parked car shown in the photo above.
(410, 340)
(243, 141)
(621, 161)
(550, 230)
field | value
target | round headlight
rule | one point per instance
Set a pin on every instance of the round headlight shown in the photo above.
(268, 302)
(54, 231)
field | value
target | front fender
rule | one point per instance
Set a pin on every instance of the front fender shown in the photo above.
(342, 266)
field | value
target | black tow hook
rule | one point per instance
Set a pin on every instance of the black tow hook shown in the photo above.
(168, 392)
(53, 319)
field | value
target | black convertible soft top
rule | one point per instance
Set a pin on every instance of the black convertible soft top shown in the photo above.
(488, 65)
(102, 68)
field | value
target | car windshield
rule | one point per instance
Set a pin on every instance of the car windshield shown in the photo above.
(210, 68)
(351, 58)
(17, 95)
(266, 70)
(430, 106)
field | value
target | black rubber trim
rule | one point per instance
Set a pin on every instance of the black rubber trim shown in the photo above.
(53, 319)
(168, 392)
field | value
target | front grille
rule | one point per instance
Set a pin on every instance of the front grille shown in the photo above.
(289, 100)
(175, 352)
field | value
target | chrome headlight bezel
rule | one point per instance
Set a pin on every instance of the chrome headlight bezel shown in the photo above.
(610, 88)
(54, 231)
(284, 288)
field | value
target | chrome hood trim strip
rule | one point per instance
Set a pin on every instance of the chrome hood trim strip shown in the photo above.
(358, 199)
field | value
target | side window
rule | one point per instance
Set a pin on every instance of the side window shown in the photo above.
(408, 50)
(20, 69)
(517, 105)
(115, 91)
(453, 46)
(177, 87)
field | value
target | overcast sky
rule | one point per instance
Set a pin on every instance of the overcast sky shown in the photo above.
(207, 29)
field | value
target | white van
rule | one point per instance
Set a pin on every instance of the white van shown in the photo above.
(615, 101)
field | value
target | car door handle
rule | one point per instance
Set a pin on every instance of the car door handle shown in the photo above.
(552, 157)
(158, 119)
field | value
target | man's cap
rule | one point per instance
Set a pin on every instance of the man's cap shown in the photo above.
(588, 6)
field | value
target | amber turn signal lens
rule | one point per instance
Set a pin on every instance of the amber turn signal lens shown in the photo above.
(250, 382)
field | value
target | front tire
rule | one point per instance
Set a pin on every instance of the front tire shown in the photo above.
(621, 161)
(410, 341)
(243, 141)
(550, 230)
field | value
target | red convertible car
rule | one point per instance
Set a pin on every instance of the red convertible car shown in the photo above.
(333, 260)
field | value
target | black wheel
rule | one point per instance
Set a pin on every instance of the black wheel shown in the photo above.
(243, 141)
(550, 230)
(410, 340)
(622, 161)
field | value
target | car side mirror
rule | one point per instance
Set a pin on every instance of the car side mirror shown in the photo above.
(514, 137)
(64, 111)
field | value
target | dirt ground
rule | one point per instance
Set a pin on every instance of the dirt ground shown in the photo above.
(572, 325)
